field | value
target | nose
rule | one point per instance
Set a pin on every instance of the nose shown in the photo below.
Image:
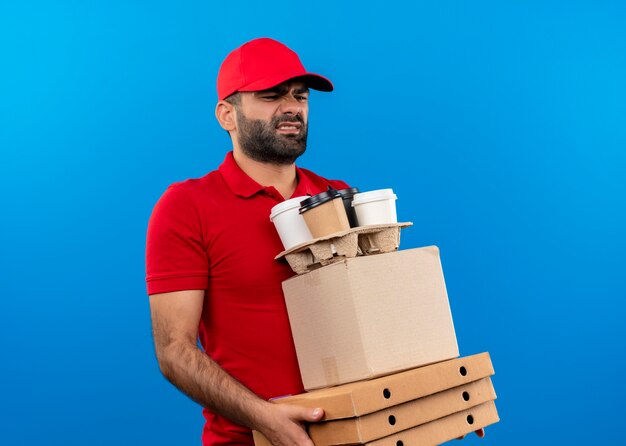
(291, 105)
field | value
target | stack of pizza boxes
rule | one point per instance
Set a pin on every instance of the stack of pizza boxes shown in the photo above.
(376, 343)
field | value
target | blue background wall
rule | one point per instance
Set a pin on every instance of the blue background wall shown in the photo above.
(501, 126)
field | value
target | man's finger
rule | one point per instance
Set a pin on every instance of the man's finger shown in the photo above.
(480, 432)
(314, 414)
(303, 414)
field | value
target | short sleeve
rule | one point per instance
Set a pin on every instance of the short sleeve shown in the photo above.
(176, 258)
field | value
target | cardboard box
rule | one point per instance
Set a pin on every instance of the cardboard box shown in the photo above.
(364, 397)
(403, 416)
(434, 432)
(370, 316)
(444, 429)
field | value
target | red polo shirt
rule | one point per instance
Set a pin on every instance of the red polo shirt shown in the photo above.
(214, 234)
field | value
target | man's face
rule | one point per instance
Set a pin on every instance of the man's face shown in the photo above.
(272, 124)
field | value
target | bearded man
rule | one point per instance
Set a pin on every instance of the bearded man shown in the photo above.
(211, 273)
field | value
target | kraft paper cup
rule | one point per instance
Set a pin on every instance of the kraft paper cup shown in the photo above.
(377, 207)
(325, 213)
(291, 227)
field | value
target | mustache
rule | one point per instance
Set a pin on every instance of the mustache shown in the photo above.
(287, 118)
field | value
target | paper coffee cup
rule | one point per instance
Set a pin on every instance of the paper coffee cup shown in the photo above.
(290, 225)
(377, 207)
(325, 213)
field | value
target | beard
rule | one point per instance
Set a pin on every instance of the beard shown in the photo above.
(259, 140)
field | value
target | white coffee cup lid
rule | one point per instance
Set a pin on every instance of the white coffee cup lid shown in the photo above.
(373, 195)
(286, 206)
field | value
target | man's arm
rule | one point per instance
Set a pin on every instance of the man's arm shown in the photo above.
(175, 319)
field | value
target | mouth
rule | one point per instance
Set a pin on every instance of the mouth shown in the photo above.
(289, 127)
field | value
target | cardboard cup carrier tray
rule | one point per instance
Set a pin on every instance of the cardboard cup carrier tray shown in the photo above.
(362, 240)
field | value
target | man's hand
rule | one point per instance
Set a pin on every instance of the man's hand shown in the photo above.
(480, 432)
(285, 424)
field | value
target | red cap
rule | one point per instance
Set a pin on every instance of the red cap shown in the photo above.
(261, 64)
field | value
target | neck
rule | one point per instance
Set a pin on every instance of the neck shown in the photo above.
(281, 177)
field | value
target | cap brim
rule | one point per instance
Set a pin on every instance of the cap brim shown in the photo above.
(312, 80)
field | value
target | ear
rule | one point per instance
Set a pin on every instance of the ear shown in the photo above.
(226, 115)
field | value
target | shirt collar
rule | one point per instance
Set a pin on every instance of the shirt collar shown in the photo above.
(236, 179)
(305, 186)
(244, 186)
